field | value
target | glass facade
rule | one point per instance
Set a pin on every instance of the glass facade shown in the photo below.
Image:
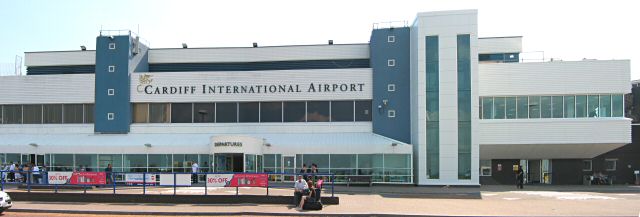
(46, 114)
(464, 106)
(568, 106)
(433, 119)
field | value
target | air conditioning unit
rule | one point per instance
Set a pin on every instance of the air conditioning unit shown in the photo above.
(136, 46)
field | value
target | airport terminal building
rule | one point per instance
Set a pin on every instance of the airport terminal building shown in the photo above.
(430, 103)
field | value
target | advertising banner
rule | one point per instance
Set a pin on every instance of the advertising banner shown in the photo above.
(88, 178)
(237, 180)
(77, 178)
(59, 178)
(136, 178)
(181, 179)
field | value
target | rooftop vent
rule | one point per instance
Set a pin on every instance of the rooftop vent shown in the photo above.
(255, 44)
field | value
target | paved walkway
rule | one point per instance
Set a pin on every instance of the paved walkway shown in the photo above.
(407, 200)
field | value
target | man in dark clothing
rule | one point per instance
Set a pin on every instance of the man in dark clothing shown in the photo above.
(108, 170)
(303, 172)
(520, 178)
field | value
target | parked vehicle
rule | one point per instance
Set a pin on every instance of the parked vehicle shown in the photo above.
(5, 201)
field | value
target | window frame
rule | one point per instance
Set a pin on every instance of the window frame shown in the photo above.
(615, 164)
(590, 165)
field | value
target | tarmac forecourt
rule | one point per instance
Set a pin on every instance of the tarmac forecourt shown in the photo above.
(390, 201)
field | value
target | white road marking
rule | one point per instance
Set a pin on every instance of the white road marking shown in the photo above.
(566, 195)
(511, 198)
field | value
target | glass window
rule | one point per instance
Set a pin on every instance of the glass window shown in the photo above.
(485, 167)
(586, 165)
(181, 113)
(1, 121)
(61, 162)
(159, 112)
(32, 114)
(343, 161)
(433, 147)
(523, 107)
(227, 112)
(341, 111)
(581, 106)
(593, 105)
(432, 106)
(249, 112)
(52, 113)
(617, 105)
(322, 160)
(545, 107)
(135, 161)
(556, 107)
(13, 158)
(73, 113)
(160, 162)
(87, 161)
(511, 107)
(204, 112)
(250, 163)
(271, 112)
(363, 110)
(12, 114)
(294, 111)
(610, 164)
(605, 106)
(114, 159)
(500, 108)
(569, 106)
(140, 113)
(88, 113)
(464, 105)
(487, 107)
(534, 107)
(318, 111)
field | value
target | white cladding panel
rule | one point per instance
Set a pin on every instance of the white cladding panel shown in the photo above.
(259, 54)
(302, 78)
(60, 58)
(555, 131)
(447, 25)
(575, 77)
(500, 45)
(77, 88)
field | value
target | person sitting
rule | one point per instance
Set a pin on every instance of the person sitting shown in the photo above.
(301, 188)
(312, 193)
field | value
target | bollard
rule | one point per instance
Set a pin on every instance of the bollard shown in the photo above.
(174, 184)
(2, 176)
(113, 180)
(55, 187)
(236, 190)
(332, 184)
(85, 189)
(205, 185)
(144, 183)
(28, 182)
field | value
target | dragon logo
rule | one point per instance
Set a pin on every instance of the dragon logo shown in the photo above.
(143, 81)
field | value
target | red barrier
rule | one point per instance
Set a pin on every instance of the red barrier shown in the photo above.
(88, 178)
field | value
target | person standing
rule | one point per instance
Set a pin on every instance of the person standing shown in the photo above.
(36, 174)
(194, 170)
(12, 172)
(108, 172)
(520, 178)
(304, 171)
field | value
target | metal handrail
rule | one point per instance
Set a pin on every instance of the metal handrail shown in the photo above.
(113, 175)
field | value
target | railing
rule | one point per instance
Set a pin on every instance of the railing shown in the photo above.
(114, 180)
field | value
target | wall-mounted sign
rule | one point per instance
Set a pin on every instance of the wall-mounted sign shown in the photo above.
(227, 144)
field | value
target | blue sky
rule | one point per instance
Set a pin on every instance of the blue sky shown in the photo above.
(568, 30)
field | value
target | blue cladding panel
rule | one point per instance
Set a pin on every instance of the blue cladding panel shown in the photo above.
(119, 104)
(50, 70)
(253, 66)
(398, 128)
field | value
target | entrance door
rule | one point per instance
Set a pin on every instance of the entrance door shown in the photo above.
(534, 171)
(229, 162)
(289, 167)
(546, 171)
